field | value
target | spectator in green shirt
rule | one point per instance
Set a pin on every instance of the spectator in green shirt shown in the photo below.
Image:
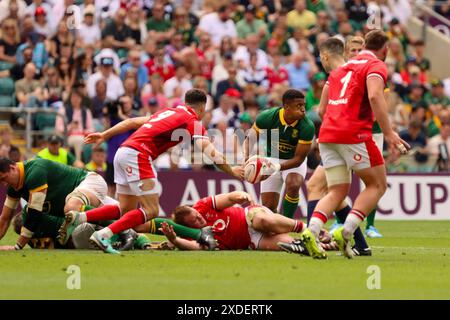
(315, 5)
(251, 25)
(436, 122)
(313, 94)
(55, 152)
(158, 27)
(436, 98)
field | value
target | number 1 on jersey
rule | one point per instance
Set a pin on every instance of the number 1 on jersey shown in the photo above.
(345, 80)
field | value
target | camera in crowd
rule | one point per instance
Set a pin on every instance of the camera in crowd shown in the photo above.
(112, 108)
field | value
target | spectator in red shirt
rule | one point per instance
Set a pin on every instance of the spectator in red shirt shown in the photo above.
(276, 73)
(160, 65)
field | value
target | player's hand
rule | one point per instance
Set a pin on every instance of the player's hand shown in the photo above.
(168, 232)
(269, 167)
(7, 248)
(243, 197)
(94, 138)
(238, 172)
(394, 141)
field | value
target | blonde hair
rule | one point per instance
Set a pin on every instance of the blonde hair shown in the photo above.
(354, 39)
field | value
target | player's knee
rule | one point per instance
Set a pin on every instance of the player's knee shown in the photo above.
(381, 187)
(293, 184)
(151, 211)
(73, 204)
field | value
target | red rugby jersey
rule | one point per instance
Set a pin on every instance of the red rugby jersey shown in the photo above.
(349, 117)
(230, 226)
(165, 129)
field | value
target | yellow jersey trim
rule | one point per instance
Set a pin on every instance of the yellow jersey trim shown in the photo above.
(21, 175)
(283, 122)
(45, 186)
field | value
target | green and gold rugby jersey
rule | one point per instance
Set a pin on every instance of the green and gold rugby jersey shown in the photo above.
(39, 174)
(376, 126)
(290, 135)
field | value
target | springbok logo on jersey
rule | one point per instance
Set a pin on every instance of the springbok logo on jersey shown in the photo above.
(294, 133)
(357, 157)
(220, 225)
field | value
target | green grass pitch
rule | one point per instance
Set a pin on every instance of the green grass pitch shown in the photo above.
(413, 257)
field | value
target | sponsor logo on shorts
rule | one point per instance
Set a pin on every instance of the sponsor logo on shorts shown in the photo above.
(357, 157)
(129, 170)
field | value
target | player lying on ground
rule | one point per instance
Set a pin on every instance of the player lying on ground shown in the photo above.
(50, 188)
(45, 236)
(46, 233)
(295, 134)
(355, 94)
(134, 173)
(235, 227)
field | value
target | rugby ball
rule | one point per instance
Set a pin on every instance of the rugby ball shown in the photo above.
(252, 169)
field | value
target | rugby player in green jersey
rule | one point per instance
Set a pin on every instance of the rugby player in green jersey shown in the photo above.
(50, 188)
(289, 135)
(45, 236)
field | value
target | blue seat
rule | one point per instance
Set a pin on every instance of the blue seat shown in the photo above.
(7, 86)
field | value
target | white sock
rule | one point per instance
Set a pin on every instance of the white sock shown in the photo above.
(315, 225)
(105, 233)
(352, 223)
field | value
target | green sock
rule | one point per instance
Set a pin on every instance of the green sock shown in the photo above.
(290, 205)
(180, 230)
(141, 241)
(371, 219)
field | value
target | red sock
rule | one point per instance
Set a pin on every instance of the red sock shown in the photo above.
(129, 220)
(109, 212)
(299, 226)
(320, 215)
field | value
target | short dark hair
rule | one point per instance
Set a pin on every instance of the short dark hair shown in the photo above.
(332, 46)
(5, 163)
(194, 97)
(375, 40)
(292, 94)
(180, 213)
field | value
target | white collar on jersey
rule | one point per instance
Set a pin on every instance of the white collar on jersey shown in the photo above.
(368, 52)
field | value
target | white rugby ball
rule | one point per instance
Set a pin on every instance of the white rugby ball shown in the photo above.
(252, 170)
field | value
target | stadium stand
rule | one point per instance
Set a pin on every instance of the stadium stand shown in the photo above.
(97, 62)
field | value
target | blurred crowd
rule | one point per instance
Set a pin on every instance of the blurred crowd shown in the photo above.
(96, 63)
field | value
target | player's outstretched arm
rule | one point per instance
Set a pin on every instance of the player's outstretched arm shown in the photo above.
(323, 101)
(301, 152)
(121, 127)
(180, 243)
(226, 200)
(219, 159)
(375, 90)
(249, 142)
